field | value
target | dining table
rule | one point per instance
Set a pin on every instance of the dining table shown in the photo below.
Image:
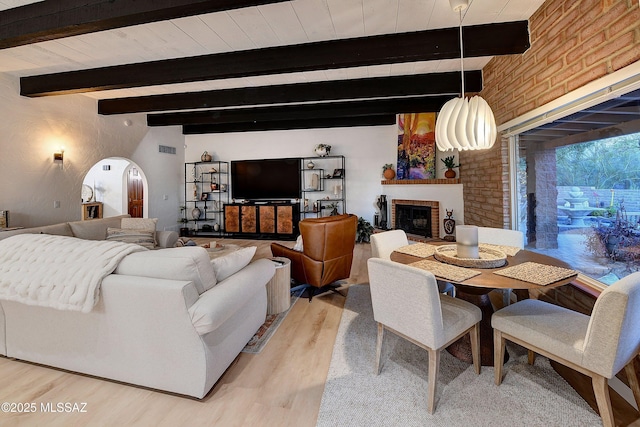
(523, 269)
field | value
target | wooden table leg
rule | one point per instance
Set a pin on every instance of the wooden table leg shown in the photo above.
(462, 348)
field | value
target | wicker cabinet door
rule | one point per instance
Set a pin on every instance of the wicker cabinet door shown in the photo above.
(232, 218)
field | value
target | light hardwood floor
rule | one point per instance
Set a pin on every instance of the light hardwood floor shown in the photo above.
(281, 386)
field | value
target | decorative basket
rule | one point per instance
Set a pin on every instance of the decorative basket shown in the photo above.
(489, 257)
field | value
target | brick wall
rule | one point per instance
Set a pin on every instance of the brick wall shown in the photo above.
(572, 43)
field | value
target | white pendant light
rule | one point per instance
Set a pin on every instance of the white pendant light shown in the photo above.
(465, 124)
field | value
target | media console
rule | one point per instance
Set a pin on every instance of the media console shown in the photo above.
(262, 220)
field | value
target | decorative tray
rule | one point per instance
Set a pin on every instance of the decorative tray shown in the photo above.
(489, 257)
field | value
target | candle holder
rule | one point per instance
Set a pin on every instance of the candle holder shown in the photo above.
(467, 241)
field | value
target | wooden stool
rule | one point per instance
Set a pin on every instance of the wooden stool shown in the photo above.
(279, 287)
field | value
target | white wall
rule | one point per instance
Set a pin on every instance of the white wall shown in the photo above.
(366, 150)
(32, 129)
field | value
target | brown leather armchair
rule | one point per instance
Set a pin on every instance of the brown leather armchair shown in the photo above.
(327, 254)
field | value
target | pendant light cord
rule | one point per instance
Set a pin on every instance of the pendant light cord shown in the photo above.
(461, 56)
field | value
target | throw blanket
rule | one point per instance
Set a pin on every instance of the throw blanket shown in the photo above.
(57, 271)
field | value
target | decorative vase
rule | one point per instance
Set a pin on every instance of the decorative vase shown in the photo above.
(450, 173)
(389, 174)
(216, 227)
(206, 157)
(195, 213)
(323, 151)
(449, 226)
(311, 165)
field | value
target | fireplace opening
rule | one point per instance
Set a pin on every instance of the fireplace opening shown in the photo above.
(414, 220)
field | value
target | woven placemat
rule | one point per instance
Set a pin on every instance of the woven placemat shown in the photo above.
(422, 250)
(509, 250)
(446, 271)
(533, 272)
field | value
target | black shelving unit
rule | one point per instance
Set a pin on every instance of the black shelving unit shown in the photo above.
(206, 189)
(320, 195)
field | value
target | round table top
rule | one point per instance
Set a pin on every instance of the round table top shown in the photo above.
(488, 280)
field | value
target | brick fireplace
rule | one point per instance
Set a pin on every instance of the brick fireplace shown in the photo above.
(434, 220)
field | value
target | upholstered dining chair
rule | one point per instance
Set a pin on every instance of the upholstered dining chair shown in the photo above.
(501, 236)
(599, 345)
(327, 252)
(407, 303)
(384, 243)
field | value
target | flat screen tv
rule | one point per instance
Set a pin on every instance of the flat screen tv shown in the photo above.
(266, 179)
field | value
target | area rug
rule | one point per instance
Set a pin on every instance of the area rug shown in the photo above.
(354, 396)
(268, 328)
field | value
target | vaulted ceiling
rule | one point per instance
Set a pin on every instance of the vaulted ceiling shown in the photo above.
(233, 65)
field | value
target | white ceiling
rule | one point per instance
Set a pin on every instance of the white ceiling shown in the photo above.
(292, 22)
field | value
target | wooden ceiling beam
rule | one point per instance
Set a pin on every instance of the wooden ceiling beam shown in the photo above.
(377, 120)
(380, 87)
(300, 112)
(479, 40)
(50, 20)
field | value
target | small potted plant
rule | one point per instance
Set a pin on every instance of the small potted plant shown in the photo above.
(364, 231)
(388, 172)
(449, 164)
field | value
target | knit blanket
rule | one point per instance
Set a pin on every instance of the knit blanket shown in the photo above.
(60, 272)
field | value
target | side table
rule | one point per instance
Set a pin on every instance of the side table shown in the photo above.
(279, 287)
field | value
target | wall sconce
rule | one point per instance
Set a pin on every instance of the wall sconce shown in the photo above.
(58, 158)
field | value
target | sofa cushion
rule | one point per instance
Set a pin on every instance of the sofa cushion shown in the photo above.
(230, 264)
(140, 224)
(187, 263)
(143, 238)
(95, 229)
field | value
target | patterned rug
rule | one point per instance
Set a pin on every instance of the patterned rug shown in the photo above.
(268, 328)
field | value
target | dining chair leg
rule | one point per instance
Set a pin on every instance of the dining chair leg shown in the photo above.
(531, 357)
(379, 347)
(506, 297)
(601, 390)
(434, 365)
(498, 355)
(474, 334)
(632, 377)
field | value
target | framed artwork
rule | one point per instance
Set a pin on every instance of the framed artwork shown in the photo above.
(338, 173)
(416, 146)
(204, 196)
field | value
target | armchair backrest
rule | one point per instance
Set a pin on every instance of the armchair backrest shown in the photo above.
(382, 244)
(501, 236)
(613, 335)
(328, 248)
(329, 237)
(407, 300)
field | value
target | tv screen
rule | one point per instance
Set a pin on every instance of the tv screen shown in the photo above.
(265, 179)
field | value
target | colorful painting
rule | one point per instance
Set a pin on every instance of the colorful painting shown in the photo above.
(416, 146)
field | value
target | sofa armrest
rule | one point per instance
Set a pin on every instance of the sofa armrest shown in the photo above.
(166, 239)
(219, 303)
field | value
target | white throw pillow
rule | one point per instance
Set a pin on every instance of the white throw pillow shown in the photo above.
(143, 238)
(230, 264)
(298, 246)
(141, 224)
(188, 263)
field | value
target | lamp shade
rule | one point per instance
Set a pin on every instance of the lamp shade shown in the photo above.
(465, 125)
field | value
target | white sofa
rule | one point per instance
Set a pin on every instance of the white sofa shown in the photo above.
(95, 229)
(162, 321)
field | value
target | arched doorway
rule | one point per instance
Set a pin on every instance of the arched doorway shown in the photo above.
(120, 184)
